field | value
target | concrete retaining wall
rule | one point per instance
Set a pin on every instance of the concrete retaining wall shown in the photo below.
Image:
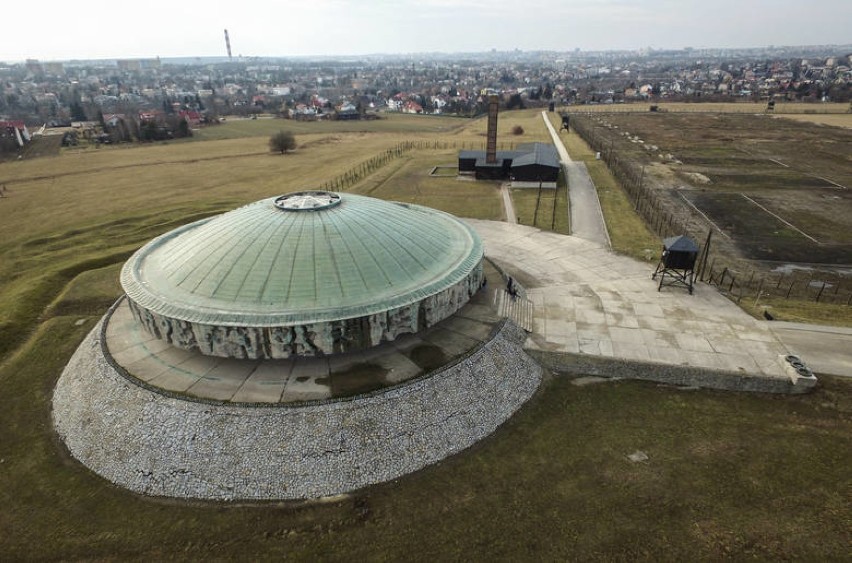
(583, 364)
(165, 446)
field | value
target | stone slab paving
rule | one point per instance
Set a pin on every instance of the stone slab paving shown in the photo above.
(268, 378)
(590, 300)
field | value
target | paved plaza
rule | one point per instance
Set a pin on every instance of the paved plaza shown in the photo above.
(589, 300)
(586, 300)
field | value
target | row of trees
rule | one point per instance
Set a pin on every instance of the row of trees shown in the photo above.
(129, 129)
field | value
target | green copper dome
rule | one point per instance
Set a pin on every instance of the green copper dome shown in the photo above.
(301, 258)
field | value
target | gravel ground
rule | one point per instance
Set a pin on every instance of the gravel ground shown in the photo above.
(164, 446)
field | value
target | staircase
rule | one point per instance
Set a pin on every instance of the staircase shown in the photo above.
(519, 308)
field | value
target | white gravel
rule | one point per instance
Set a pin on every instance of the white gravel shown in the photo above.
(159, 445)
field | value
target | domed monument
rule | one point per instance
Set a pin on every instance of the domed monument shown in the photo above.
(234, 366)
(304, 274)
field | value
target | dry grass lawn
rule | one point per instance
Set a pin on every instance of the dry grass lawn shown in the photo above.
(389, 123)
(715, 107)
(729, 475)
(834, 120)
(408, 179)
(123, 181)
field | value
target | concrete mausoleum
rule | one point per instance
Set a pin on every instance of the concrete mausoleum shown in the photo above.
(297, 347)
(305, 274)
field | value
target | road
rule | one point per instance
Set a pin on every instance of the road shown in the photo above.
(825, 349)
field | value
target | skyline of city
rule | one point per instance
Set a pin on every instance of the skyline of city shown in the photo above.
(341, 28)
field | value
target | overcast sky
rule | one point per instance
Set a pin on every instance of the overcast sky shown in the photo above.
(54, 30)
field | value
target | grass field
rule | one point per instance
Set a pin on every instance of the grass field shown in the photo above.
(834, 120)
(777, 188)
(784, 108)
(408, 179)
(729, 475)
(235, 128)
(544, 208)
(455, 128)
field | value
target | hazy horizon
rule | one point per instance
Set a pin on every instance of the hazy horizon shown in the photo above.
(108, 30)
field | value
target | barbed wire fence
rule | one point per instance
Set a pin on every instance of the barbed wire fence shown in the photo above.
(740, 279)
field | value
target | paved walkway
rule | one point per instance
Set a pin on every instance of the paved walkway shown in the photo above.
(826, 349)
(508, 206)
(590, 300)
(587, 220)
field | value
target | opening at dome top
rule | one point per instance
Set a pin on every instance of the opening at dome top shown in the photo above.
(307, 201)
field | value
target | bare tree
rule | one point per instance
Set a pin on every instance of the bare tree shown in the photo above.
(282, 142)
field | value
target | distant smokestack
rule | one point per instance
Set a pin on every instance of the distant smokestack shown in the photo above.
(228, 43)
(491, 146)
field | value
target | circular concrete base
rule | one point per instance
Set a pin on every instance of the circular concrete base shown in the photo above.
(161, 445)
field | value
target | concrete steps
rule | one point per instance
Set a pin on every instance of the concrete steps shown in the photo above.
(519, 308)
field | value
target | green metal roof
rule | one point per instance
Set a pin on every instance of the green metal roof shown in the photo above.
(263, 265)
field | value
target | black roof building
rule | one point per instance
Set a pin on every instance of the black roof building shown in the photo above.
(530, 162)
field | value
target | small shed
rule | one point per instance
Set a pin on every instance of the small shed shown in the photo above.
(476, 162)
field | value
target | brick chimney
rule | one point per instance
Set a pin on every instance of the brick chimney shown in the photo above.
(491, 147)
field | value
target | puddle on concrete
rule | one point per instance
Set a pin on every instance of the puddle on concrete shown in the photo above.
(358, 378)
(428, 357)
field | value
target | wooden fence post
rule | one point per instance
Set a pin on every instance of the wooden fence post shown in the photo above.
(759, 291)
(820, 292)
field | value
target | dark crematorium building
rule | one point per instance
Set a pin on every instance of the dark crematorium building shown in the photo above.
(529, 163)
